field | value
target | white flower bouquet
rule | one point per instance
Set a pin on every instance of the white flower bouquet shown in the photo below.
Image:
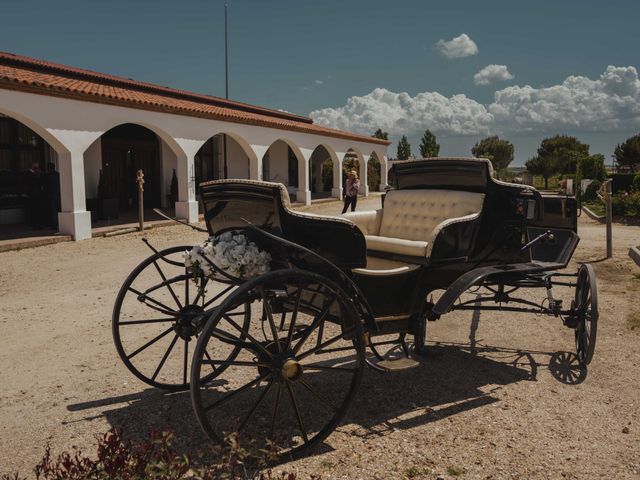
(231, 252)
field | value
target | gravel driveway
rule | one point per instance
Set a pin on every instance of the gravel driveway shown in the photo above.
(493, 398)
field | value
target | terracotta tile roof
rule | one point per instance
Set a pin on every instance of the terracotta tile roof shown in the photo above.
(46, 78)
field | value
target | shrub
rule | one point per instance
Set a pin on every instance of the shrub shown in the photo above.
(590, 193)
(154, 459)
(619, 204)
(636, 182)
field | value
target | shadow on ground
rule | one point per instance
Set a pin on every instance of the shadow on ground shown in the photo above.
(452, 378)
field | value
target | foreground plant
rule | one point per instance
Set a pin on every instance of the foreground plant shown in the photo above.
(119, 459)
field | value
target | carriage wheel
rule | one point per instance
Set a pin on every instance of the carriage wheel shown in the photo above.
(298, 368)
(158, 314)
(585, 308)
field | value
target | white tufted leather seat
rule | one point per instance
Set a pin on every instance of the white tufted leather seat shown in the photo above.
(411, 219)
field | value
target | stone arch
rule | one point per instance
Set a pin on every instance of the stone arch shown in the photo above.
(241, 160)
(324, 172)
(23, 143)
(374, 172)
(282, 163)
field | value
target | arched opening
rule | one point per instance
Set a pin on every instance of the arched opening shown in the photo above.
(111, 166)
(280, 164)
(221, 156)
(374, 172)
(29, 181)
(321, 172)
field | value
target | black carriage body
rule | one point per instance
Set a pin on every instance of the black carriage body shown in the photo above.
(463, 253)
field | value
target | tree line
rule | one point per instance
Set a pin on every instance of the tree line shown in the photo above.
(559, 154)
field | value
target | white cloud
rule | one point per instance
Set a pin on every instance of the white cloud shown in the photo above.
(458, 47)
(609, 103)
(491, 74)
(318, 82)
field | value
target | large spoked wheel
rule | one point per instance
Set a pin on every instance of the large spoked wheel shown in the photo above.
(298, 369)
(159, 313)
(585, 308)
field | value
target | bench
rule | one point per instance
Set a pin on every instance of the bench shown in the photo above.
(407, 227)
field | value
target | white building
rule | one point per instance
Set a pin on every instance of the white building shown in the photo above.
(91, 125)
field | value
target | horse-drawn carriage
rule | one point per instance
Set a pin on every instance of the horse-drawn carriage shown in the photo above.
(280, 349)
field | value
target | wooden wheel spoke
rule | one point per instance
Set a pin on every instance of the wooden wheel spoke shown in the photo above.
(151, 320)
(149, 343)
(216, 297)
(185, 361)
(326, 343)
(297, 410)
(247, 335)
(164, 280)
(326, 367)
(255, 406)
(206, 354)
(187, 280)
(276, 404)
(246, 386)
(235, 363)
(164, 358)
(272, 325)
(163, 308)
(294, 318)
(201, 290)
(316, 321)
(317, 395)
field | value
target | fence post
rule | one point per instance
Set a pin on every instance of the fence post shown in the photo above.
(609, 217)
(140, 181)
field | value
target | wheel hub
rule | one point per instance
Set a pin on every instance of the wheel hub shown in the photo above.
(283, 365)
(184, 326)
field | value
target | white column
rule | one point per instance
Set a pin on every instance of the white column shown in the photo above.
(73, 219)
(255, 163)
(384, 170)
(336, 191)
(186, 206)
(364, 175)
(303, 194)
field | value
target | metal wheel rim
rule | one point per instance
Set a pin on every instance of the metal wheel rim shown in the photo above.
(117, 323)
(288, 389)
(586, 306)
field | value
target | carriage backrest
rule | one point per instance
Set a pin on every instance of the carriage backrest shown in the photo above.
(230, 204)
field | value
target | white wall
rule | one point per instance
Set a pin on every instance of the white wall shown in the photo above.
(237, 160)
(279, 163)
(169, 161)
(92, 166)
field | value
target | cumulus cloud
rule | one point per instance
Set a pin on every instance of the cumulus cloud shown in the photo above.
(458, 47)
(318, 82)
(491, 74)
(609, 103)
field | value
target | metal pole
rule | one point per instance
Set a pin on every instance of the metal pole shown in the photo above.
(609, 217)
(226, 85)
(140, 181)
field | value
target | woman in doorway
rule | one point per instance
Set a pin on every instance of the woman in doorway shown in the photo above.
(351, 188)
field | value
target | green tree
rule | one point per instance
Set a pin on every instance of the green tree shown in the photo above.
(499, 151)
(593, 167)
(628, 153)
(404, 148)
(545, 166)
(380, 134)
(428, 145)
(565, 151)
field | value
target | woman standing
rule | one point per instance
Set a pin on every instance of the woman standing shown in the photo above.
(351, 191)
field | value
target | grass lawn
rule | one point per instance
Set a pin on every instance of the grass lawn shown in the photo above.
(595, 207)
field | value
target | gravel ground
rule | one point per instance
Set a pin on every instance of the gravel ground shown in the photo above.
(491, 399)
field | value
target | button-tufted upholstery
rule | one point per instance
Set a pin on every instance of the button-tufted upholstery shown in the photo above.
(414, 214)
(411, 219)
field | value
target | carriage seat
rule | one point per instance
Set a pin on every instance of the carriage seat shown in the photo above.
(411, 219)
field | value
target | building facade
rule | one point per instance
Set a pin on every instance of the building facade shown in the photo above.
(97, 130)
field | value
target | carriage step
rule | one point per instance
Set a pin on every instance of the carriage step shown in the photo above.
(398, 364)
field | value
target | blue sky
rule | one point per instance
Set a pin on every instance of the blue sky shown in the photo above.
(327, 57)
